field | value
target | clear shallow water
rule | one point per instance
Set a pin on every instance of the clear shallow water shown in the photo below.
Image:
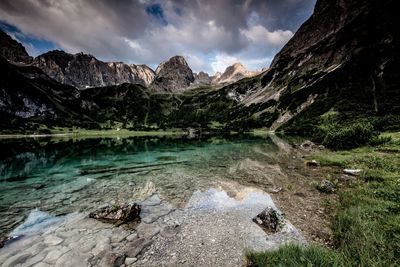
(61, 176)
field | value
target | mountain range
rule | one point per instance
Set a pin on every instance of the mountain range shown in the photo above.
(341, 61)
(85, 71)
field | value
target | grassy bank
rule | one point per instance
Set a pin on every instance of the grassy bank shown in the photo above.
(59, 131)
(366, 222)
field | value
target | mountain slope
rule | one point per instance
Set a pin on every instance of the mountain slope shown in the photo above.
(341, 65)
(83, 71)
(343, 59)
(29, 97)
(12, 50)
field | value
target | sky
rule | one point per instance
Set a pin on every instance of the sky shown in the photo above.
(210, 34)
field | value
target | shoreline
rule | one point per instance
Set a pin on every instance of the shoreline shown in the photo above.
(96, 134)
(122, 133)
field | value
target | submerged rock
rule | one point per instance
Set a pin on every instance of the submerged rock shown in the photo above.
(120, 214)
(113, 259)
(3, 240)
(269, 219)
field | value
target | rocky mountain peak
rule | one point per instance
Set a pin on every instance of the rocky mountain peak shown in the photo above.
(233, 73)
(173, 75)
(201, 79)
(12, 50)
(177, 61)
(84, 70)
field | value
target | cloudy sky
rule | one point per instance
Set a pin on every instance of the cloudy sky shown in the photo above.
(210, 34)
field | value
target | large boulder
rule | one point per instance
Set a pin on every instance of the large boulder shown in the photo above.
(118, 214)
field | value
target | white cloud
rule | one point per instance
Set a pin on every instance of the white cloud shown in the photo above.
(221, 61)
(260, 35)
(251, 31)
(197, 64)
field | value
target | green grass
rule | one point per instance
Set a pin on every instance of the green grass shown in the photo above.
(366, 222)
(296, 255)
(87, 133)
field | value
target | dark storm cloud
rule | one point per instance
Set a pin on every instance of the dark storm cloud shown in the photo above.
(210, 33)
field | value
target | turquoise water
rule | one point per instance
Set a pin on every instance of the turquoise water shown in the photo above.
(61, 176)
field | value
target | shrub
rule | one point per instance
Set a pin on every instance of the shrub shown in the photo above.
(351, 136)
(380, 140)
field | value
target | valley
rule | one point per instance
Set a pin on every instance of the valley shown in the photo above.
(107, 163)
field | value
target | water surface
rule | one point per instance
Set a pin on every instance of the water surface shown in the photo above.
(61, 176)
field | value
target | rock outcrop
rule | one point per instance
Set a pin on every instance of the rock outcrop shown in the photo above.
(173, 75)
(201, 79)
(83, 71)
(12, 50)
(215, 77)
(233, 74)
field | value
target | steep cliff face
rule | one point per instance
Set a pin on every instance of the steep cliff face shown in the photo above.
(83, 71)
(173, 75)
(12, 50)
(201, 79)
(345, 57)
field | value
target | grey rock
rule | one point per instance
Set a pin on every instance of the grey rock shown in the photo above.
(17, 259)
(326, 186)
(148, 230)
(352, 172)
(112, 259)
(53, 256)
(117, 214)
(129, 261)
(34, 259)
(131, 237)
(134, 248)
(53, 240)
(308, 145)
(269, 219)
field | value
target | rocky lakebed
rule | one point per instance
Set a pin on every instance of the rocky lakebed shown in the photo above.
(208, 211)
